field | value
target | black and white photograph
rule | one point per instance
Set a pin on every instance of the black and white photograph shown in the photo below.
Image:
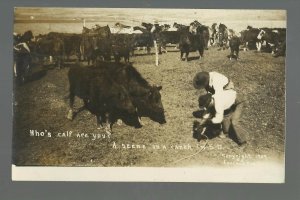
(149, 94)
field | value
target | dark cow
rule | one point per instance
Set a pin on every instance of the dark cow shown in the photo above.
(71, 42)
(143, 40)
(191, 42)
(168, 37)
(72, 45)
(205, 34)
(50, 47)
(222, 35)
(234, 44)
(122, 45)
(275, 38)
(96, 42)
(249, 39)
(102, 96)
(145, 98)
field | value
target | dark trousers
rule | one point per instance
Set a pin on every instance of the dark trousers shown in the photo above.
(231, 124)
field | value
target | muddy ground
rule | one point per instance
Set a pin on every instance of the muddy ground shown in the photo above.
(42, 104)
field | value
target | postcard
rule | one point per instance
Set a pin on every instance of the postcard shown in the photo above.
(149, 95)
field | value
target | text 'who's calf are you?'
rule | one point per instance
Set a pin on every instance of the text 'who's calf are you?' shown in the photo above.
(69, 134)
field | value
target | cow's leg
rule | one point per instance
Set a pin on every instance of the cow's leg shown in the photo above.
(126, 58)
(231, 53)
(181, 55)
(187, 56)
(109, 122)
(246, 46)
(201, 52)
(258, 46)
(99, 122)
(148, 50)
(71, 103)
(237, 53)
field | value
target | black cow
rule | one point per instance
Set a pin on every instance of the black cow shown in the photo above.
(234, 44)
(168, 37)
(50, 47)
(72, 45)
(205, 33)
(249, 39)
(71, 42)
(191, 42)
(102, 96)
(96, 43)
(122, 45)
(145, 98)
(143, 40)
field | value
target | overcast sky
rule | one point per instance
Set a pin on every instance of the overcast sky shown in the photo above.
(235, 19)
(147, 15)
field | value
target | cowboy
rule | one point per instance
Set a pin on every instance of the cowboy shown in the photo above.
(224, 108)
(213, 82)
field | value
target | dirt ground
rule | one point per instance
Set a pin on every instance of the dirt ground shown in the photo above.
(41, 105)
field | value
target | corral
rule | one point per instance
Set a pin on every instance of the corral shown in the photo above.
(41, 105)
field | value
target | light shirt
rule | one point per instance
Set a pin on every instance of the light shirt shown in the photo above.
(217, 81)
(222, 101)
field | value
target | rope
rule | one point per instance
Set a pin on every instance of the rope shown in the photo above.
(206, 142)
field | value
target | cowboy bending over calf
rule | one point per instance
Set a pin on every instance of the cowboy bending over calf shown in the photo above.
(223, 108)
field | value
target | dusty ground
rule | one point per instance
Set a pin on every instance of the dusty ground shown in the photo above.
(42, 104)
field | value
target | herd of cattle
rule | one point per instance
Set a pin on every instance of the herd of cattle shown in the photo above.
(116, 90)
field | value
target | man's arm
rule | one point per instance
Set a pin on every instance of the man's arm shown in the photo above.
(218, 118)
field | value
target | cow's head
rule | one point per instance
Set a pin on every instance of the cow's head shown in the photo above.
(261, 34)
(150, 105)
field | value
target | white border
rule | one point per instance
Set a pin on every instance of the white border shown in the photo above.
(259, 173)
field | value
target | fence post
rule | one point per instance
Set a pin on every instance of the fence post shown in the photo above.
(156, 53)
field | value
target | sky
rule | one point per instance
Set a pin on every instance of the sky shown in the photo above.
(238, 19)
(108, 14)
